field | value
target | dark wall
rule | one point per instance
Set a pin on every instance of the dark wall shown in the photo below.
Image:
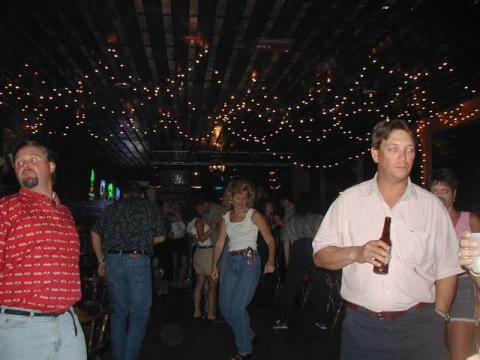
(459, 150)
(351, 173)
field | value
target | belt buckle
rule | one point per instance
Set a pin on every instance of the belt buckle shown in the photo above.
(380, 315)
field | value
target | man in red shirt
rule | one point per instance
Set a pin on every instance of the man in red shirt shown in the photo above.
(39, 272)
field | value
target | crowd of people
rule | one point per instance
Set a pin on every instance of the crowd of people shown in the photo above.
(222, 250)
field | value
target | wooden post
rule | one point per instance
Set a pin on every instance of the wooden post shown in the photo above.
(466, 112)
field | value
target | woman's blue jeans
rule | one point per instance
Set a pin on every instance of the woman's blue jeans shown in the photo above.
(237, 287)
(130, 288)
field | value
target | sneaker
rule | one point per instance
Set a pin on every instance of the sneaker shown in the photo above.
(321, 325)
(280, 325)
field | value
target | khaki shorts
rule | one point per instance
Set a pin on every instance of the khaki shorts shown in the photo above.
(202, 260)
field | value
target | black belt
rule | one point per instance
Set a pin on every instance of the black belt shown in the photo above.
(28, 313)
(9, 311)
(136, 252)
(205, 247)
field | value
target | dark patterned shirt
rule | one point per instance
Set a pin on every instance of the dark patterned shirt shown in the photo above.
(130, 224)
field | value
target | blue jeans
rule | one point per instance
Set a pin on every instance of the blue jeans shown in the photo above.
(130, 287)
(30, 337)
(238, 283)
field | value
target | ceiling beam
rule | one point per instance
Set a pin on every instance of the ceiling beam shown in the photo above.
(237, 46)
(107, 87)
(217, 31)
(170, 54)
(270, 23)
(145, 33)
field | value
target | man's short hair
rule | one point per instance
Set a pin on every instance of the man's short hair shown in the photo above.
(443, 175)
(132, 187)
(383, 129)
(199, 199)
(50, 154)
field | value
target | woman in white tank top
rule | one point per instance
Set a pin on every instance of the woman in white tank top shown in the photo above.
(242, 266)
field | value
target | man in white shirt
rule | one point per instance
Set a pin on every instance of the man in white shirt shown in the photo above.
(401, 314)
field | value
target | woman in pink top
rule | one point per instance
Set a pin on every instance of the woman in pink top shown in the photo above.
(460, 340)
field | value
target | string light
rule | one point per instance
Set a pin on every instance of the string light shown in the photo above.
(322, 112)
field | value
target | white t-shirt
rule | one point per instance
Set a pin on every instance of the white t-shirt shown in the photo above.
(177, 229)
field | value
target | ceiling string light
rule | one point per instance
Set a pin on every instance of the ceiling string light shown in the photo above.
(323, 110)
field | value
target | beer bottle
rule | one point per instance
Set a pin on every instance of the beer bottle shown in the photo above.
(383, 269)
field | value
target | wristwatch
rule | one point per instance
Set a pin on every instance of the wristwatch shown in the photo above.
(443, 314)
(102, 260)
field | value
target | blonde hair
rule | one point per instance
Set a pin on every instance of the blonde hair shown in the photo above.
(235, 187)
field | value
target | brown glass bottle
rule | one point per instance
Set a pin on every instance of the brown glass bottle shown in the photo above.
(383, 269)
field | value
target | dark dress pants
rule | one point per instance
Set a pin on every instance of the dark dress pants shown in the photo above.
(301, 263)
(419, 334)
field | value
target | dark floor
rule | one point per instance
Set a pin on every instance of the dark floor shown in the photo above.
(174, 335)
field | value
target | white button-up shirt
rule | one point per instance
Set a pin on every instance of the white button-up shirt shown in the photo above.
(424, 245)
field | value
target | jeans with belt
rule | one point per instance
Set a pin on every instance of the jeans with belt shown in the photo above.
(238, 283)
(31, 337)
(130, 287)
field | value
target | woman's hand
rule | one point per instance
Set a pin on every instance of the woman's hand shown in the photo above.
(474, 357)
(269, 267)
(101, 269)
(215, 275)
(468, 249)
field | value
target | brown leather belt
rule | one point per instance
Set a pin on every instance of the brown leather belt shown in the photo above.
(386, 315)
(242, 252)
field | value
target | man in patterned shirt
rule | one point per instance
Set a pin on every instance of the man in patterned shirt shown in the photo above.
(126, 232)
(39, 273)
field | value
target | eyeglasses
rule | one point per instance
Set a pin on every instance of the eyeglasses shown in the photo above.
(441, 191)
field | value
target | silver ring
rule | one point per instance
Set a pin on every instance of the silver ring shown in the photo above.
(460, 255)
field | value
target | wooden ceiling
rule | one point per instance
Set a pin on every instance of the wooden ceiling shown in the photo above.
(142, 83)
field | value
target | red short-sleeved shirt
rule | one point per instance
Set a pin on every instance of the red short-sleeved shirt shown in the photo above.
(39, 253)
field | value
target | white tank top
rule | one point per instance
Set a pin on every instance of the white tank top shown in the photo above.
(241, 234)
(192, 230)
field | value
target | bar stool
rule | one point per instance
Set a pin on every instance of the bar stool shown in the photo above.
(335, 301)
(94, 313)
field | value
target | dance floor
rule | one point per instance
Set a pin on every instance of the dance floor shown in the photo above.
(174, 335)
